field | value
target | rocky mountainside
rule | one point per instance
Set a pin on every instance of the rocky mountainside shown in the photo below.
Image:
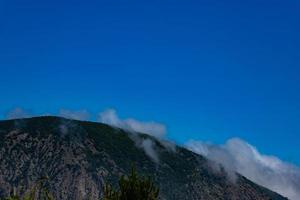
(79, 157)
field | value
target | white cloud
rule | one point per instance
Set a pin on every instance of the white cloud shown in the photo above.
(269, 171)
(149, 148)
(18, 113)
(151, 128)
(75, 114)
(155, 129)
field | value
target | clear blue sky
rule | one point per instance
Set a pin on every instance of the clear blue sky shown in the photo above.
(209, 70)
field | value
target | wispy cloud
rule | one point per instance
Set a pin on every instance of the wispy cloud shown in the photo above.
(110, 117)
(269, 171)
(18, 113)
(155, 129)
(74, 114)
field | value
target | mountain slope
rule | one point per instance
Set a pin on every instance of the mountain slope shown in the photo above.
(80, 156)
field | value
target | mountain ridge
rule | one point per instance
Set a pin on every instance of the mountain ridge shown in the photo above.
(80, 156)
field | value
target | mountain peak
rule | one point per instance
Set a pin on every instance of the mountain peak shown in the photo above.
(79, 157)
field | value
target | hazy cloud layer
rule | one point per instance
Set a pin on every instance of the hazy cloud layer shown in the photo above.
(269, 171)
(74, 114)
(155, 129)
(18, 113)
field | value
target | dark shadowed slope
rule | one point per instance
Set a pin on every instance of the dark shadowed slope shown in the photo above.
(80, 156)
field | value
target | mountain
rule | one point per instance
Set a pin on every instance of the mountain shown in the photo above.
(79, 157)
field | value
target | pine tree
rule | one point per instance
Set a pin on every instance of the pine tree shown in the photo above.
(133, 187)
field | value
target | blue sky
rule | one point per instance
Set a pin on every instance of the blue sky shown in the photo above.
(209, 70)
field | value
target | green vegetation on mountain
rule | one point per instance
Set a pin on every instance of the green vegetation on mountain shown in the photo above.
(132, 187)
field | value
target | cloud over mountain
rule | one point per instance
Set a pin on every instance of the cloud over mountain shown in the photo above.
(17, 113)
(155, 129)
(235, 155)
(238, 155)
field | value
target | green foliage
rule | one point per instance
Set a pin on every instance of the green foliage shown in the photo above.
(133, 187)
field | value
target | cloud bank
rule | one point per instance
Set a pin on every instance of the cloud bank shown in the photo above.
(110, 117)
(269, 171)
